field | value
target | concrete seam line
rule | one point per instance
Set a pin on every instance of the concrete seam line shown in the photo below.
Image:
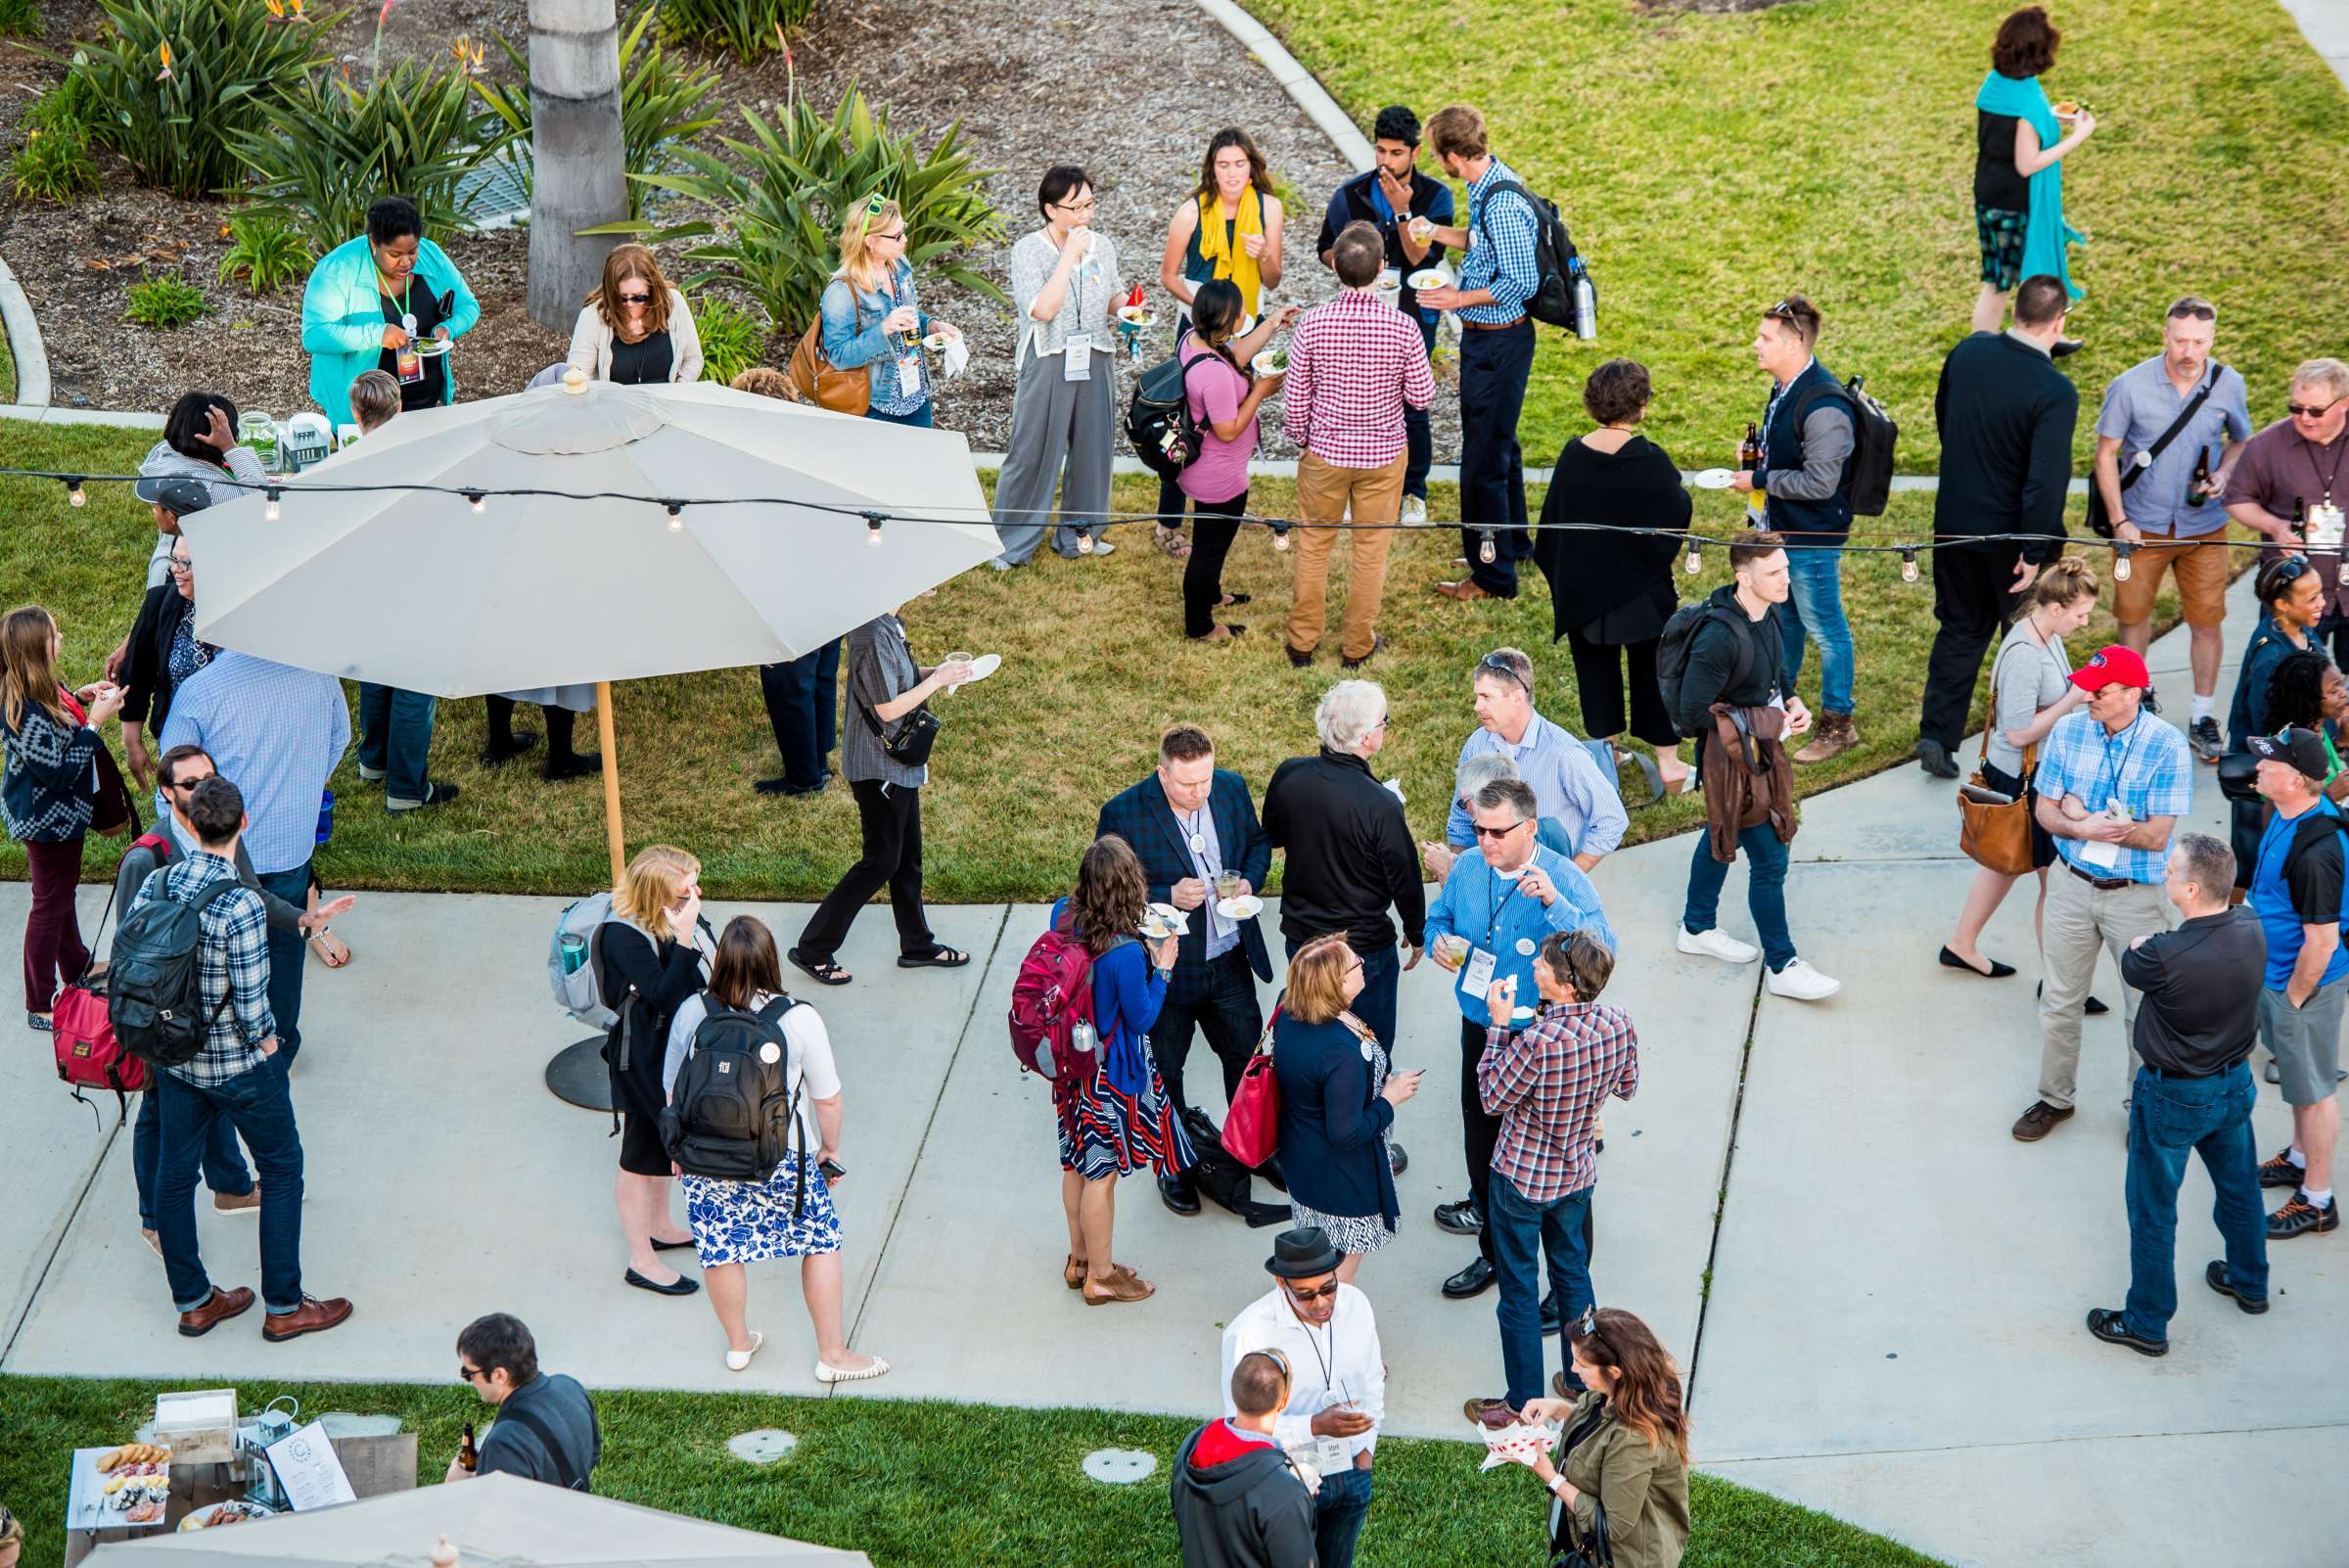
(23, 340)
(1721, 1207)
(56, 1241)
(898, 1209)
(1291, 76)
(1711, 1463)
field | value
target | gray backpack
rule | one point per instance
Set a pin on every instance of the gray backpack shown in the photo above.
(573, 969)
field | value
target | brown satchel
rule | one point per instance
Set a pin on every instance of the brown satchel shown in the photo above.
(1997, 838)
(818, 382)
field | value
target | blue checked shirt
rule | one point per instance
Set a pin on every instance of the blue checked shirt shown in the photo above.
(2147, 767)
(1501, 256)
(232, 965)
(273, 732)
(1486, 910)
(1567, 784)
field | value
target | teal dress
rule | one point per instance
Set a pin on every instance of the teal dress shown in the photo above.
(2047, 237)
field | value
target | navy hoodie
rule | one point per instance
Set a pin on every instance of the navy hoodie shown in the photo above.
(1239, 1502)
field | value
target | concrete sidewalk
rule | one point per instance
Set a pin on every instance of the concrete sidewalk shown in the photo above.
(1876, 1292)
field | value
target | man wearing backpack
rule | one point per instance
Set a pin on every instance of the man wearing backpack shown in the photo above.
(1500, 273)
(1804, 489)
(235, 1072)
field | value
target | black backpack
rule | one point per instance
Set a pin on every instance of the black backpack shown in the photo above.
(1868, 472)
(1157, 417)
(153, 996)
(731, 1114)
(1673, 647)
(1555, 260)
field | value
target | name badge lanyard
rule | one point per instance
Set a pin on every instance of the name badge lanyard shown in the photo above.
(2323, 478)
(2127, 751)
(1329, 1383)
(1498, 893)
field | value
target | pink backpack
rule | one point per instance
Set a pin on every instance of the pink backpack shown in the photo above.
(1052, 995)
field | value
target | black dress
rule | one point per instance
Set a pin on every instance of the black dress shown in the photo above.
(1614, 591)
(646, 986)
(648, 360)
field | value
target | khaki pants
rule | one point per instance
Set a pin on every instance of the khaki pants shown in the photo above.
(1323, 492)
(2080, 919)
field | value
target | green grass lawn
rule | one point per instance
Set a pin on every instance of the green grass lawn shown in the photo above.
(921, 1484)
(1097, 667)
(1710, 163)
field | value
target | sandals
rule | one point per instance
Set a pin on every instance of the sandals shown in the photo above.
(1229, 628)
(1172, 543)
(1232, 600)
(1124, 1285)
(826, 973)
(333, 950)
(939, 957)
(1071, 1272)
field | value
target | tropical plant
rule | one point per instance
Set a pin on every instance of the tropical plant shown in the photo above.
(786, 191)
(733, 338)
(174, 81)
(326, 150)
(163, 301)
(265, 251)
(660, 102)
(20, 19)
(68, 102)
(745, 28)
(55, 163)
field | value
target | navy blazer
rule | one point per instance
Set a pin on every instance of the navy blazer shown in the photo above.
(1331, 1149)
(1142, 817)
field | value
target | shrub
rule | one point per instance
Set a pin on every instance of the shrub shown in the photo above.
(165, 301)
(265, 251)
(745, 28)
(327, 150)
(20, 19)
(786, 191)
(55, 163)
(173, 81)
(69, 103)
(660, 102)
(733, 339)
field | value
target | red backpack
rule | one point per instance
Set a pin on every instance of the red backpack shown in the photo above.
(88, 1056)
(1051, 998)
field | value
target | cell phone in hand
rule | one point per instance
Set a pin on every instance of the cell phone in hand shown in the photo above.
(833, 1170)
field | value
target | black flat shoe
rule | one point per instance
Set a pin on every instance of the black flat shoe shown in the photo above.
(499, 755)
(1997, 970)
(1473, 1280)
(684, 1287)
(784, 785)
(2091, 1007)
(672, 1246)
(2109, 1327)
(578, 764)
(1178, 1194)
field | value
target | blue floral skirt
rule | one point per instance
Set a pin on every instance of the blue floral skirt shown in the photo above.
(749, 1222)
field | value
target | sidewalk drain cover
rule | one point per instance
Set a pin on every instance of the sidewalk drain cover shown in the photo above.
(1120, 1467)
(763, 1447)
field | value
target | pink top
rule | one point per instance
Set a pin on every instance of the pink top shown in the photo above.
(1216, 390)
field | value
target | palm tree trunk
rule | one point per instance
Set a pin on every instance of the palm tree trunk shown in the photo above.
(577, 150)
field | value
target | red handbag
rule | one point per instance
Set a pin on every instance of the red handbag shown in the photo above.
(88, 1056)
(1252, 1126)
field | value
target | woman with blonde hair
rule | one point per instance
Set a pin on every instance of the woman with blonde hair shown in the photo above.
(1118, 1119)
(1622, 1443)
(651, 955)
(871, 317)
(635, 328)
(2030, 688)
(1337, 1104)
(50, 793)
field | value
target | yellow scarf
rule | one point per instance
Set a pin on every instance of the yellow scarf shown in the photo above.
(1236, 264)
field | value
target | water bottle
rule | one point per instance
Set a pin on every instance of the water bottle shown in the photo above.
(1083, 1039)
(1585, 303)
(575, 952)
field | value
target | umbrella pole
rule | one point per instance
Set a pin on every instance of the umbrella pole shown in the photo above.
(577, 1074)
(603, 727)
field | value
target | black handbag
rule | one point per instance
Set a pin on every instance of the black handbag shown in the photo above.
(1570, 1546)
(2100, 521)
(916, 733)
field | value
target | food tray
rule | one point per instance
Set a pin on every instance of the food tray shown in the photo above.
(90, 1506)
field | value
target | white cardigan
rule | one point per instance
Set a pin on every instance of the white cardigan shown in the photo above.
(591, 343)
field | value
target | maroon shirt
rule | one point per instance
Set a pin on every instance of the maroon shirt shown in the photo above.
(2277, 466)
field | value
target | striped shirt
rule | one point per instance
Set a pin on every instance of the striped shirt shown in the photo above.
(2147, 767)
(276, 733)
(1503, 258)
(232, 966)
(1546, 1084)
(1354, 363)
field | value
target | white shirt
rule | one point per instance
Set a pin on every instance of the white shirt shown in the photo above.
(1328, 1366)
(811, 1064)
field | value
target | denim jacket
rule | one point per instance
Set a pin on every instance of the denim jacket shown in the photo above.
(852, 334)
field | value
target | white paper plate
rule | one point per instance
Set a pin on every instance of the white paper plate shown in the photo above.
(1429, 278)
(1713, 479)
(1263, 364)
(1246, 907)
(936, 341)
(984, 666)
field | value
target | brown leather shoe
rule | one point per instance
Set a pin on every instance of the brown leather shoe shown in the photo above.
(1466, 590)
(310, 1317)
(1491, 1414)
(224, 1305)
(1833, 737)
(238, 1203)
(2039, 1120)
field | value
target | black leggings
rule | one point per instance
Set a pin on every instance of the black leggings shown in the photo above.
(1598, 675)
(891, 817)
(1202, 574)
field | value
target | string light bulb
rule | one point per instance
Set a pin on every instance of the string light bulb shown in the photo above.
(1908, 565)
(1084, 541)
(2121, 551)
(480, 500)
(1485, 551)
(872, 529)
(1696, 561)
(75, 495)
(1280, 536)
(676, 515)
(273, 512)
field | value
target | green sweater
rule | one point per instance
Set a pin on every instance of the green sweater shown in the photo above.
(1644, 1490)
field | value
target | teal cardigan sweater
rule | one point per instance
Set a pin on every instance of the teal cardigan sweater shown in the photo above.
(343, 318)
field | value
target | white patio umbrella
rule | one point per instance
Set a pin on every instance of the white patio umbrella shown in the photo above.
(495, 1521)
(459, 596)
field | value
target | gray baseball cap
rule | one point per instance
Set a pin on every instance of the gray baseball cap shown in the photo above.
(175, 494)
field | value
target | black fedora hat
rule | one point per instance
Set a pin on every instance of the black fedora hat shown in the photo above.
(1303, 1253)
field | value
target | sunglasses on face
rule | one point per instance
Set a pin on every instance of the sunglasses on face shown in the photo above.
(1484, 832)
(470, 1375)
(1326, 1292)
(2311, 413)
(188, 783)
(636, 299)
(894, 234)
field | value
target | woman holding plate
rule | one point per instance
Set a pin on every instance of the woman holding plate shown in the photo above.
(388, 300)
(871, 317)
(1224, 394)
(1622, 1457)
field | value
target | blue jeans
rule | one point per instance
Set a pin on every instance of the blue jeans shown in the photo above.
(1765, 891)
(920, 416)
(1523, 1232)
(223, 1164)
(395, 738)
(803, 708)
(1339, 1510)
(1382, 973)
(1815, 604)
(2169, 1118)
(260, 1107)
(1494, 367)
(285, 956)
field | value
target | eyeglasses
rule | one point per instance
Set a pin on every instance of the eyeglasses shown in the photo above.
(189, 783)
(1354, 967)
(2312, 413)
(1502, 665)
(636, 299)
(181, 565)
(1588, 1324)
(2291, 570)
(873, 204)
(470, 1375)
(894, 234)
(1327, 1291)
(2193, 310)
(1484, 832)
(1086, 205)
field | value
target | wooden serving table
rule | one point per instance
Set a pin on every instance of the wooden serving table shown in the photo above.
(375, 1465)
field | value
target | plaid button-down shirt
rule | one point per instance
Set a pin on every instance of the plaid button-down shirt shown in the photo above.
(232, 964)
(1502, 258)
(2147, 767)
(1354, 363)
(1546, 1083)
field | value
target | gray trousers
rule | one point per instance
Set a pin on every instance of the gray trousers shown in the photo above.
(2080, 922)
(1055, 420)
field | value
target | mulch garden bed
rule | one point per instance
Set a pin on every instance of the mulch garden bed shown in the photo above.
(1129, 89)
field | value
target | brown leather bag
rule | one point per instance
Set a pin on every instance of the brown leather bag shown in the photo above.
(818, 382)
(1997, 838)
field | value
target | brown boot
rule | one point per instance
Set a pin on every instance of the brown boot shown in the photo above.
(1833, 737)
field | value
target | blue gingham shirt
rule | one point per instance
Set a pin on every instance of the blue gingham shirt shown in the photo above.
(276, 733)
(1489, 912)
(2147, 767)
(1566, 782)
(232, 964)
(1501, 256)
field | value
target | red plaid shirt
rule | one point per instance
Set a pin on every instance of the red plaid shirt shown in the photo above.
(1546, 1084)
(1354, 363)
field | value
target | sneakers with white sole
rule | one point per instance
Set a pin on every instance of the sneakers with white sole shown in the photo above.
(1716, 944)
(1799, 981)
(1414, 512)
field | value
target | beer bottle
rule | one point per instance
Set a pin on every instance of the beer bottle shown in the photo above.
(2196, 488)
(469, 1457)
(1749, 452)
(2300, 519)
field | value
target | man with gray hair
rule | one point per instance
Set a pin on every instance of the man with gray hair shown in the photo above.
(1349, 852)
(1567, 781)
(2291, 483)
(1487, 768)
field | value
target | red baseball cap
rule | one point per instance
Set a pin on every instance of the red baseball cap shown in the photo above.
(2114, 666)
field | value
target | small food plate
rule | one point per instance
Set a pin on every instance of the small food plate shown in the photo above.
(1246, 907)
(936, 341)
(430, 347)
(1429, 278)
(1163, 920)
(1521, 1015)
(1713, 479)
(235, 1511)
(1137, 315)
(984, 666)
(1390, 279)
(1272, 363)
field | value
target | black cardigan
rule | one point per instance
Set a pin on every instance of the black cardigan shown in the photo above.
(645, 986)
(2005, 416)
(147, 664)
(1592, 574)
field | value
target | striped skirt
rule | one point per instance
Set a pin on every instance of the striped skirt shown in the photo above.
(1104, 1132)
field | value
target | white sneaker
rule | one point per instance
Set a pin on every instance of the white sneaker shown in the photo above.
(1414, 512)
(1800, 981)
(1716, 944)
